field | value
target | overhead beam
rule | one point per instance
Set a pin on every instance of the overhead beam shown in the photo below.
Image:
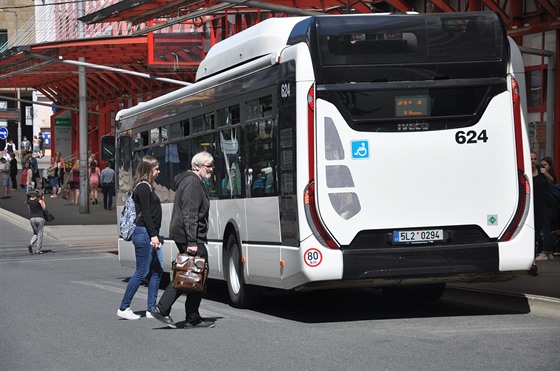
(108, 68)
(548, 7)
(496, 8)
(45, 104)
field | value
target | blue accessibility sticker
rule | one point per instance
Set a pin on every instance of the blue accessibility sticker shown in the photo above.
(360, 149)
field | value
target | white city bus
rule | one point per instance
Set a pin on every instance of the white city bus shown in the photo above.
(385, 150)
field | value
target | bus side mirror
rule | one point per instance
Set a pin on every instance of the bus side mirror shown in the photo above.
(108, 148)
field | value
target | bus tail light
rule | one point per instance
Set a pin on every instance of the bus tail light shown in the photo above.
(522, 209)
(313, 218)
(310, 206)
(524, 198)
(311, 131)
(516, 99)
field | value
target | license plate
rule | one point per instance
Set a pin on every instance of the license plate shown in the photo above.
(424, 235)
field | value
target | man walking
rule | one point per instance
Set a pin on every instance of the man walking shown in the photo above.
(13, 170)
(107, 185)
(41, 139)
(189, 228)
(25, 146)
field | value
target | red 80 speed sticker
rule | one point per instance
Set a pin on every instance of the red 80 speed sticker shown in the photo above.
(313, 257)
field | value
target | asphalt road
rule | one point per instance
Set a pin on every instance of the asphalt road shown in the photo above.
(58, 312)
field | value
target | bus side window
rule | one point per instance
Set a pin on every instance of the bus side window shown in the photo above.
(259, 154)
(230, 167)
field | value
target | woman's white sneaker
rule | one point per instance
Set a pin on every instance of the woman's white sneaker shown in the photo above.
(127, 314)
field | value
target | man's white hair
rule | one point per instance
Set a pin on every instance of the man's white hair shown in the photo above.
(201, 158)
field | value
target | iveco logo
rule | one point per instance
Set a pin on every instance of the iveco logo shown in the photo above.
(413, 126)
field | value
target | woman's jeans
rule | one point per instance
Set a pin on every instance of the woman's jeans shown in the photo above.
(38, 225)
(547, 237)
(149, 263)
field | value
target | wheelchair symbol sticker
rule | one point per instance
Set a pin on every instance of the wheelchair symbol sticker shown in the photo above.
(360, 149)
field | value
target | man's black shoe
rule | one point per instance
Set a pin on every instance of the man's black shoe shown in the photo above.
(166, 320)
(201, 324)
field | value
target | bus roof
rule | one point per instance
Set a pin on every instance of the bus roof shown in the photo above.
(264, 38)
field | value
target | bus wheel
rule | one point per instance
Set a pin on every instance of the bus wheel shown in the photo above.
(431, 292)
(240, 294)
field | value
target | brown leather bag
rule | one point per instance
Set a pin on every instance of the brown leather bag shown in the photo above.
(189, 273)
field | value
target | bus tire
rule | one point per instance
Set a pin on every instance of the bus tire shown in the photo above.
(241, 295)
(430, 292)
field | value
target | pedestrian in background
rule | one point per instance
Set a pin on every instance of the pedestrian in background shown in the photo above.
(36, 204)
(25, 146)
(108, 185)
(92, 159)
(9, 148)
(61, 170)
(93, 176)
(189, 228)
(53, 176)
(550, 213)
(146, 239)
(13, 170)
(36, 146)
(74, 181)
(41, 139)
(34, 168)
(5, 169)
(26, 177)
(539, 205)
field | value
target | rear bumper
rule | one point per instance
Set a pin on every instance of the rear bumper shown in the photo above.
(421, 261)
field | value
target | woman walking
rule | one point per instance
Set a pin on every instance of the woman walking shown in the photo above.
(94, 174)
(546, 248)
(145, 238)
(36, 204)
(53, 176)
(61, 170)
(36, 147)
(26, 177)
(74, 181)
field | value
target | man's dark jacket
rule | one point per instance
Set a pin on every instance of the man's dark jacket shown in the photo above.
(189, 218)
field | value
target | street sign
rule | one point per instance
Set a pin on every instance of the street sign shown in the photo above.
(3, 133)
(12, 115)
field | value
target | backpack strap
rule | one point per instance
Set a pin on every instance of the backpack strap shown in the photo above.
(143, 181)
(132, 196)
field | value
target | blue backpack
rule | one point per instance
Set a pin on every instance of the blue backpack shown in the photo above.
(128, 219)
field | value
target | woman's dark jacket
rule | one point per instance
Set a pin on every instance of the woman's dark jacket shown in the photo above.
(147, 203)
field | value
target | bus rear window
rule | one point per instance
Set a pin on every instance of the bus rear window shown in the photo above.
(395, 39)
